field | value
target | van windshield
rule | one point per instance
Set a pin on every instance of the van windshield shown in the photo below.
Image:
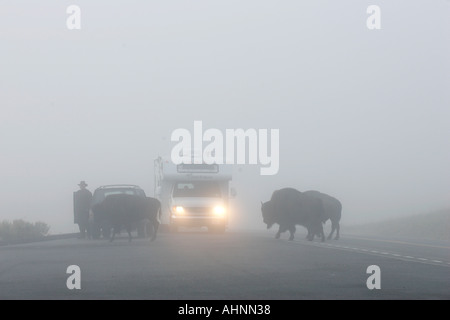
(197, 189)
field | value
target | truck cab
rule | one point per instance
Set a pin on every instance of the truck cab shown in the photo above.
(193, 195)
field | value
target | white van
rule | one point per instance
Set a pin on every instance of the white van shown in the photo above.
(193, 195)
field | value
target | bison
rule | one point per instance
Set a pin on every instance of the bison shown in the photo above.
(333, 210)
(124, 210)
(289, 207)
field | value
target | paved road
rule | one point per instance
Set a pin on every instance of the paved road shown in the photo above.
(236, 265)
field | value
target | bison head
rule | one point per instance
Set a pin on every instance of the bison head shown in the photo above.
(268, 213)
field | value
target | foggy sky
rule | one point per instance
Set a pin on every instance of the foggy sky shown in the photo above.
(363, 115)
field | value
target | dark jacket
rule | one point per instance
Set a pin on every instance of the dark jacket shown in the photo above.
(81, 205)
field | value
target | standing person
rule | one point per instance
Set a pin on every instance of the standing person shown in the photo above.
(81, 206)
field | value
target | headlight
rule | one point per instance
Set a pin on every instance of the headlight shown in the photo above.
(219, 211)
(178, 209)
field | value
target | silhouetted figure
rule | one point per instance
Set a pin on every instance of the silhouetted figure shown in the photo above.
(81, 206)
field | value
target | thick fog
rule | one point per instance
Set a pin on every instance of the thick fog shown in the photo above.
(364, 115)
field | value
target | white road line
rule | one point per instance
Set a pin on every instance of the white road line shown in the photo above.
(373, 251)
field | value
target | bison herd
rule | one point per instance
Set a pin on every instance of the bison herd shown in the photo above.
(289, 207)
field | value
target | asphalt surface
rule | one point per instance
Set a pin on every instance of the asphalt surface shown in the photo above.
(234, 265)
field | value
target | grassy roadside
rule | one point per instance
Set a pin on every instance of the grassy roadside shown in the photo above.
(433, 225)
(20, 231)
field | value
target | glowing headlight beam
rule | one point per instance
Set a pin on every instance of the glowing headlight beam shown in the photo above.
(219, 211)
(178, 209)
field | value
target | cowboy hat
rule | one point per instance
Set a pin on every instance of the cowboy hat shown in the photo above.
(83, 184)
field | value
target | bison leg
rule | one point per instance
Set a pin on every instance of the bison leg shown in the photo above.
(277, 236)
(333, 227)
(310, 234)
(292, 231)
(111, 238)
(322, 234)
(155, 229)
(281, 229)
(129, 233)
(142, 229)
(337, 231)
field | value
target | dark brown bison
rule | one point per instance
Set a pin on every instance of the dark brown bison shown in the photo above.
(332, 208)
(289, 207)
(128, 211)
